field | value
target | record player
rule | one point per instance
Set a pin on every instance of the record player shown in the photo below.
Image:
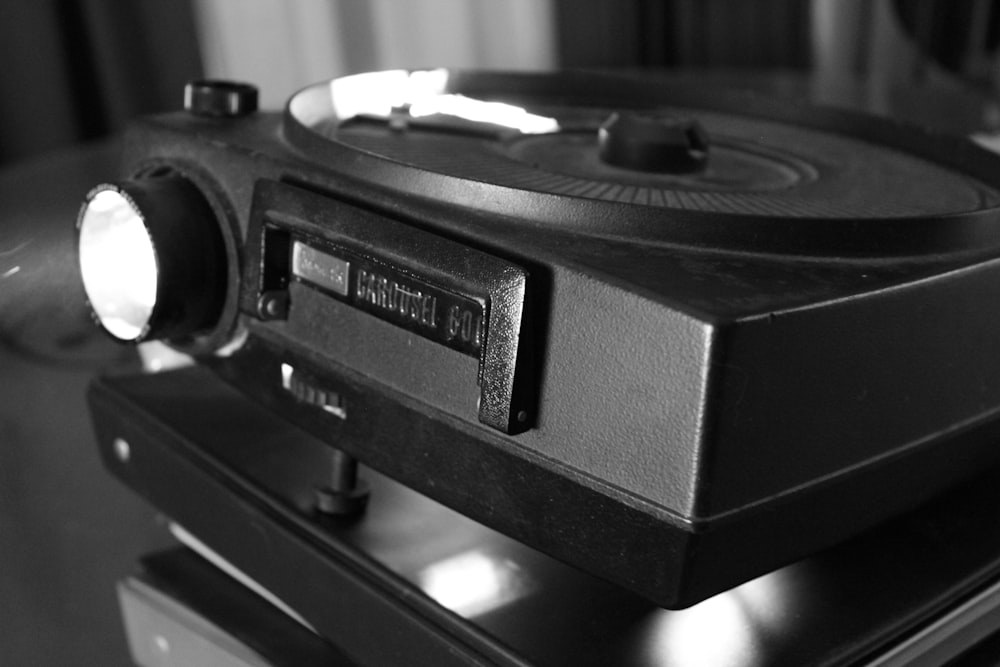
(671, 336)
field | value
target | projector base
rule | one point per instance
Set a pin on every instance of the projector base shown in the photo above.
(413, 582)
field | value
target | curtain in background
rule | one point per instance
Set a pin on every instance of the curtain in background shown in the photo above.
(282, 47)
(78, 69)
(728, 34)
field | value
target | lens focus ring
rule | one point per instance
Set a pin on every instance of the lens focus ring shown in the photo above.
(151, 259)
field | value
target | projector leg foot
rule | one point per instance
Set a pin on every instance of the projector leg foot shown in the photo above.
(346, 496)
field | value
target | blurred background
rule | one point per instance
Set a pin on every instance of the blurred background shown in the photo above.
(75, 71)
(78, 69)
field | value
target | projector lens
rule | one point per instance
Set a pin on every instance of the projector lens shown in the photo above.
(152, 259)
(118, 264)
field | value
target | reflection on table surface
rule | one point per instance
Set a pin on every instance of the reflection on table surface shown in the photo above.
(844, 604)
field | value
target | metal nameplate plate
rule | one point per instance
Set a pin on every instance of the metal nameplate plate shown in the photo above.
(392, 294)
(442, 290)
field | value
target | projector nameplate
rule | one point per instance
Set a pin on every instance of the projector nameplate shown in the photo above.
(393, 294)
(449, 293)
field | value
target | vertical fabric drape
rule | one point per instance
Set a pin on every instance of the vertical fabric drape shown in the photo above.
(79, 69)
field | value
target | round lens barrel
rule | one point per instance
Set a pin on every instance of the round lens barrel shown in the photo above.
(151, 258)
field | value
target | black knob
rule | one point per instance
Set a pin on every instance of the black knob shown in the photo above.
(220, 99)
(653, 143)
